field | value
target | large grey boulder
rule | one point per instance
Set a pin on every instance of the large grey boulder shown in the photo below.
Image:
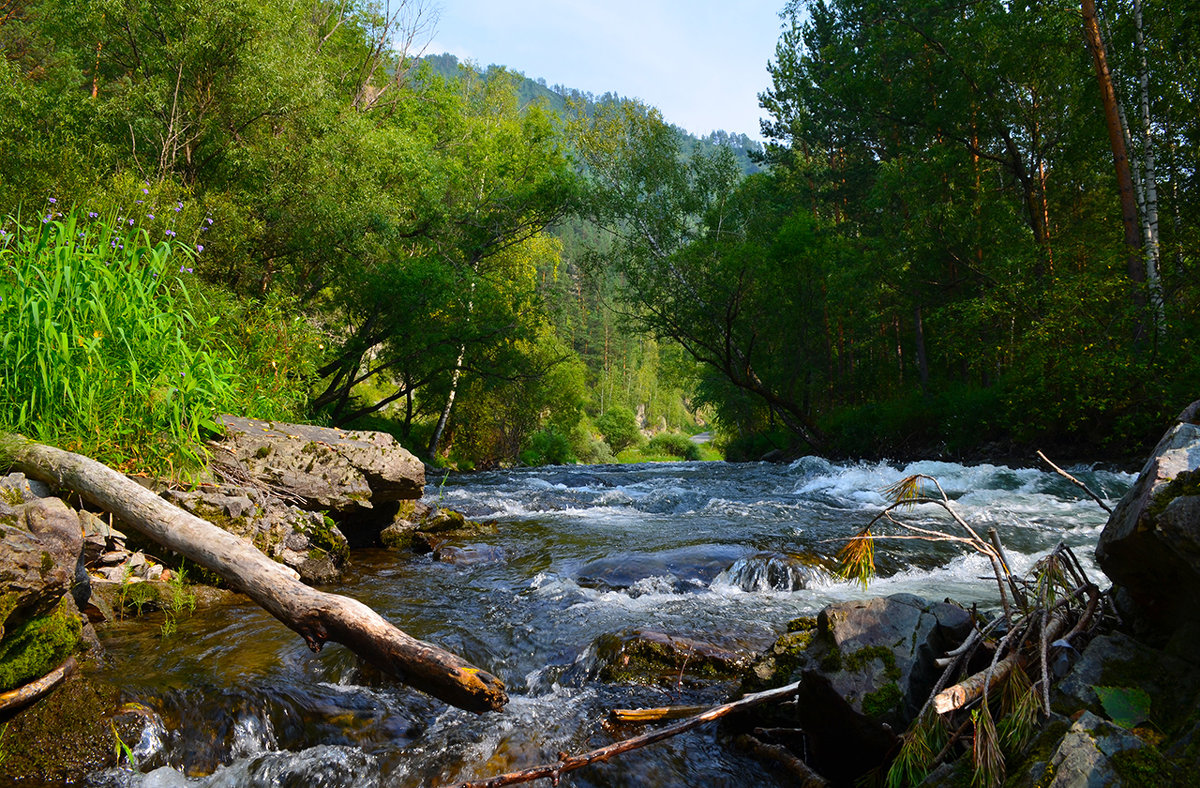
(41, 541)
(1085, 757)
(354, 476)
(877, 654)
(1150, 547)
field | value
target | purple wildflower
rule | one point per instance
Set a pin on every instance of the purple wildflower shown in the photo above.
(150, 216)
(178, 207)
(209, 220)
(199, 248)
(131, 222)
(171, 233)
(92, 214)
(53, 201)
(183, 270)
(145, 191)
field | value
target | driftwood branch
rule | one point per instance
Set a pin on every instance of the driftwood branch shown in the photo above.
(568, 763)
(21, 696)
(1076, 482)
(317, 616)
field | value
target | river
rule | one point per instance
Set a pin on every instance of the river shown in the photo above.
(717, 552)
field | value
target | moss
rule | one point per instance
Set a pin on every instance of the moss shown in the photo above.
(8, 603)
(65, 736)
(37, 646)
(802, 624)
(864, 656)
(11, 496)
(262, 452)
(47, 563)
(884, 700)
(1146, 766)
(831, 662)
(1186, 483)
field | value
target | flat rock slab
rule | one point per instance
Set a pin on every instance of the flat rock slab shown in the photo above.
(324, 468)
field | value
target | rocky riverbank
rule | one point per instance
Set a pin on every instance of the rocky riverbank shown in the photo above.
(1123, 695)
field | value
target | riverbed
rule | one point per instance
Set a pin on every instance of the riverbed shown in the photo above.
(717, 552)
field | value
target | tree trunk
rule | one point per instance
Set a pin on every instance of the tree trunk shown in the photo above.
(1116, 137)
(317, 616)
(436, 439)
(1150, 190)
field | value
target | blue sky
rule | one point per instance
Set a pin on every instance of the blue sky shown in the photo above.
(703, 63)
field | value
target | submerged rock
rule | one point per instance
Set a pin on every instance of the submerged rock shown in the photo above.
(647, 657)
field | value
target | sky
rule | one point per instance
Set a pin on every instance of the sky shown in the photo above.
(701, 62)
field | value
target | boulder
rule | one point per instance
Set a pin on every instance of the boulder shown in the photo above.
(1085, 756)
(40, 546)
(647, 657)
(1150, 547)
(302, 540)
(344, 472)
(877, 654)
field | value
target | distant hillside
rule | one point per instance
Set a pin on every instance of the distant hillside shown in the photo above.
(556, 97)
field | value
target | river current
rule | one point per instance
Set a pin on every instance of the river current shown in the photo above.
(717, 552)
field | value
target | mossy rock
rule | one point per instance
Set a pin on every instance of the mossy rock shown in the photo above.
(39, 645)
(654, 658)
(66, 735)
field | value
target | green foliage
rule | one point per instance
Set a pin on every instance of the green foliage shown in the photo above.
(674, 444)
(37, 646)
(619, 427)
(107, 348)
(548, 447)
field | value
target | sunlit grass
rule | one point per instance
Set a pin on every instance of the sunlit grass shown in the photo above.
(105, 346)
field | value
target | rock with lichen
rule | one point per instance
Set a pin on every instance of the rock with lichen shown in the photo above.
(306, 541)
(342, 472)
(40, 544)
(1150, 547)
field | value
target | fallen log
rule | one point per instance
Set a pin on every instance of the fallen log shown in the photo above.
(567, 763)
(317, 616)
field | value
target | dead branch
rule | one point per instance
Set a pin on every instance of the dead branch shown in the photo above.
(21, 696)
(781, 755)
(553, 771)
(1076, 482)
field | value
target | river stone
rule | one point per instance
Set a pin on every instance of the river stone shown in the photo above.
(1084, 757)
(342, 471)
(648, 657)
(16, 488)
(1150, 547)
(41, 542)
(877, 654)
(297, 538)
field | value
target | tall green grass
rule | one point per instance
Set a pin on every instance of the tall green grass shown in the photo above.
(105, 348)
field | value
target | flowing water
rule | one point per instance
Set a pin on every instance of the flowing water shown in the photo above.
(721, 553)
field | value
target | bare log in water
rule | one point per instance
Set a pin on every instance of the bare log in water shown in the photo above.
(568, 763)
(21, 696)
(317, 616)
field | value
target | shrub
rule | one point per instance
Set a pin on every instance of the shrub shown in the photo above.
(619, 427)
(675, 444)
(548, 447)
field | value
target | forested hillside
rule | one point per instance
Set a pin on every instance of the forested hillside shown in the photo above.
(972, 227)
(978, 228)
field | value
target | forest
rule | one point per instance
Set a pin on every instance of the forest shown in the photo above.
(972, 230)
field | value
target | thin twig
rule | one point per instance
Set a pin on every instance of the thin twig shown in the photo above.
(1076, 482)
